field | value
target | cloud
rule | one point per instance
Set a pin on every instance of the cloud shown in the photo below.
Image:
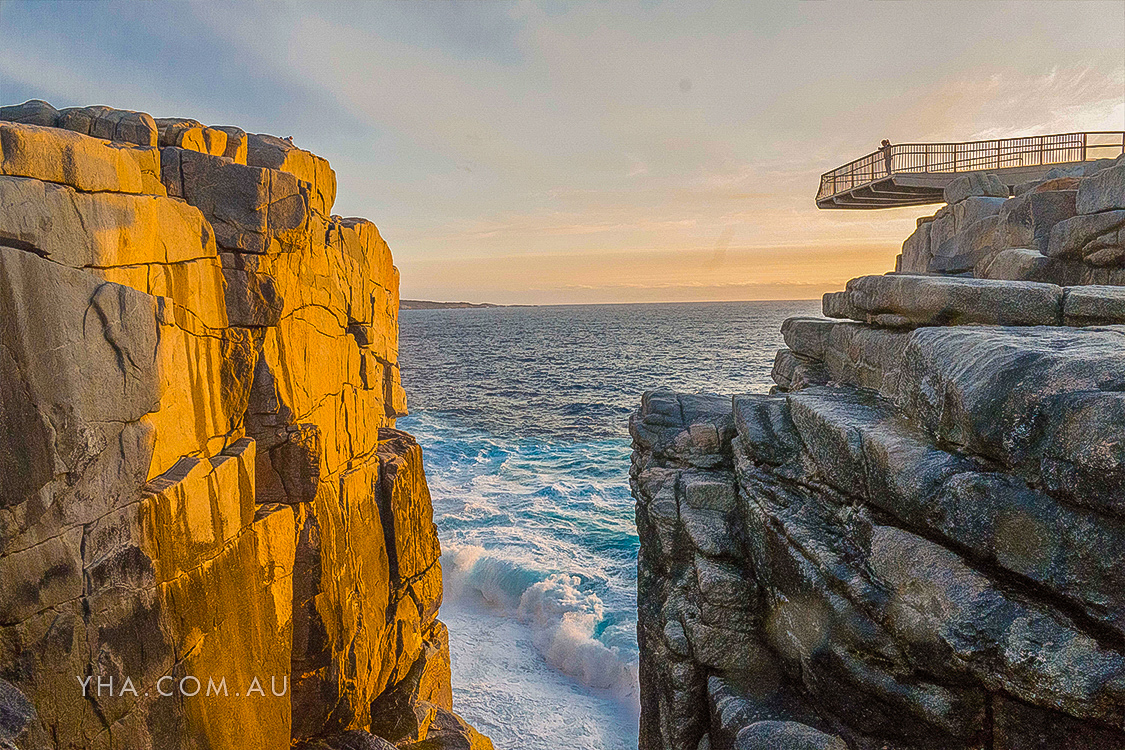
(478, 133)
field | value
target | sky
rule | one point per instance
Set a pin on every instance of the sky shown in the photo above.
(569, 152)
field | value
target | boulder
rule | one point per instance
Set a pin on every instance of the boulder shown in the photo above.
(252, 210)
(193, 136)
(807, 336)
(1021, 264)
(965, 249)
(277, 153)
(786, 735)
(1027, 221)
(87, 164)
(684, 429)
(111, 124)
(1094, 305)
(1078, 237)
(935, 301)
(31, 112)
(1103, 191)
(975, 184)
(236, 143)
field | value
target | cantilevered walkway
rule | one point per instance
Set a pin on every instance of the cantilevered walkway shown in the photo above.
(914, 174)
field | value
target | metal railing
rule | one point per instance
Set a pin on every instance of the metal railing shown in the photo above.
(972, 156)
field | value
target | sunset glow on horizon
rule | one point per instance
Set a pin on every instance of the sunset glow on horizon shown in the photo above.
(551, 153)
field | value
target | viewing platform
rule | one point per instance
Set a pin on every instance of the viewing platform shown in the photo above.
(915, 174)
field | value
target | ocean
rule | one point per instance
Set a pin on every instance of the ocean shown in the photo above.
(523, 413)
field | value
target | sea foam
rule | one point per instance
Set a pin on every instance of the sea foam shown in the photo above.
(563, 619)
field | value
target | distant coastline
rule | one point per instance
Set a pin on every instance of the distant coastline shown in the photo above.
(419, 304)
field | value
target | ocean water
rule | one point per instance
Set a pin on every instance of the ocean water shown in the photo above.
(523, 418)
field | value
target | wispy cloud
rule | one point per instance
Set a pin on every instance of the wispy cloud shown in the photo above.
(553, 148)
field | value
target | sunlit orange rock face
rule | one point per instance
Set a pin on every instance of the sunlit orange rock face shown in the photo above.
(199, 475)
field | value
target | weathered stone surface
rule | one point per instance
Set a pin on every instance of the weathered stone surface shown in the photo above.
(807, 336)
(404, 501)
(1094, 305)
(1104, 191)
(88, 164)
(355, 739)
(792, 371)
(689, 429)
(16, 712)
(765, 428)
(236, 143)
(252, 210)
(1027, 221)
(448, 731)
(111, 124)
(193, 479)
(916, 252)
(192, 135)
(100, 230)
(1021, 264)
(975, 184)
(1086, 235)
(978, 388)
(31, 112)
(897, 301)
(277, 153)
(74, 350)
(923, 554)
(786, 735)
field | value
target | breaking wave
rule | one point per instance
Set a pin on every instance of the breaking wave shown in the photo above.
(563, 618)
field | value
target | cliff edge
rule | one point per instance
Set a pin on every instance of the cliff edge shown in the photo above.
(916, 541)
(211, 535)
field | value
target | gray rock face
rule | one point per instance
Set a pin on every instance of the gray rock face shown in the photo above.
(16, 712)
(1073, 215)
(252, 209)
(31, 112)
(1104, 191)
(975, 184)
(111, 124)
(786, 735)
(898, 301)
(1094, 305)
(684, 429)
(1022, 264)
(916, 541)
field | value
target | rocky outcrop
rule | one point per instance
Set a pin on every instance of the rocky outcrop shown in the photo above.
(915, 542)
(211, 535)
(1068, 228)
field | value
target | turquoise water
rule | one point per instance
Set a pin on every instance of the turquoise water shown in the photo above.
(523, 417)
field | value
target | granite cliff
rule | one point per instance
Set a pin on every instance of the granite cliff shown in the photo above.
(916, 541)
(211, 535)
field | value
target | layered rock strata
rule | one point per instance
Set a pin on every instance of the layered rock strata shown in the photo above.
(200, 479)
(915, 542)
